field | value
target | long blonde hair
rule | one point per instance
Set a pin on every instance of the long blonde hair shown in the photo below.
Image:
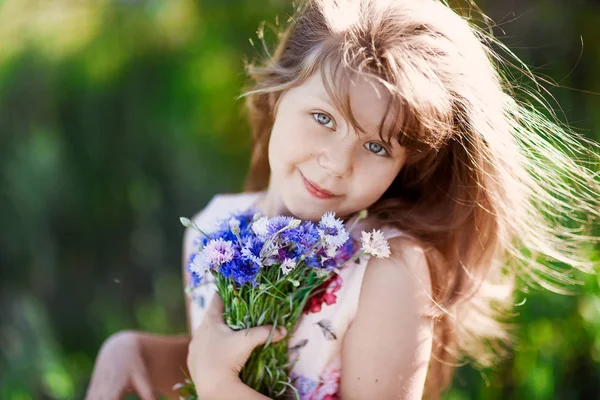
(486, 189)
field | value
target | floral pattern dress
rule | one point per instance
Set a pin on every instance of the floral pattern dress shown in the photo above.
(316, 343)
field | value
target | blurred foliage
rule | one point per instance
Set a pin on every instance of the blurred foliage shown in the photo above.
(117, 117)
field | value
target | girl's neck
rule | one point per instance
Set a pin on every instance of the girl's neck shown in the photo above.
(270, 203)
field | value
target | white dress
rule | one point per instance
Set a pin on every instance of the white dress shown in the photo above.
(316, 343)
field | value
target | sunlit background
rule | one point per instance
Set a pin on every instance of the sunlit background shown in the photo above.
(117, 117)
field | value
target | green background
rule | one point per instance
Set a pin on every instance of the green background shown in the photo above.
(117, 117)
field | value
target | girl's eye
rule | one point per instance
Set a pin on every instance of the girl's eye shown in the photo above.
(324, 119)
(376, 148)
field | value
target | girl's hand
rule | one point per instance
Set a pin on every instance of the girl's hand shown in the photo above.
(217, 353)
(120, 369)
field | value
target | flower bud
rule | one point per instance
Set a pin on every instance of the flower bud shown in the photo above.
(294, 223)
(185, 222)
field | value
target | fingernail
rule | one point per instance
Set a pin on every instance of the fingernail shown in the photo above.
(282, 330)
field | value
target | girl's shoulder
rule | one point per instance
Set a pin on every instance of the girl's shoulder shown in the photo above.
(221, 205)
(389, 231)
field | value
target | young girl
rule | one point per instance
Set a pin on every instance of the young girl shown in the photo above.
(398, 107)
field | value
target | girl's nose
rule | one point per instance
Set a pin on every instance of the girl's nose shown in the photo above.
(337, 158)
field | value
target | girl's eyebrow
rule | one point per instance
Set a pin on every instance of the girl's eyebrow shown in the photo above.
(323, 97)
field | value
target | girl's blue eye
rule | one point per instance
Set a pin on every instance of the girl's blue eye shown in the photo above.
(323, 119)
(376, 148)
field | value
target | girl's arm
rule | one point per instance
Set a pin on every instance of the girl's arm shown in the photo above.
(386, 350)
(165, 360)
(136, 362)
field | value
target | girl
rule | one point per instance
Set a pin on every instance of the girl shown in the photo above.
(398, 107)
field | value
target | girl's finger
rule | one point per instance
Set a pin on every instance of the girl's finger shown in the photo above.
(260, 334)
(215, 309)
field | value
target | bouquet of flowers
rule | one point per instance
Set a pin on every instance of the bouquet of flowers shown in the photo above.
(266, 270)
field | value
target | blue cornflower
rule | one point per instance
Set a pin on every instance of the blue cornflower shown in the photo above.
(252, 248)
(241, 270)
(300, 240)
(223, 232)
(312, 261)
(309, 238)
(240, 219)
(201, 241)
(278, 223)
(245, 219)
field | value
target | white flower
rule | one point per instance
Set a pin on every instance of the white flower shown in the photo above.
(332, 230)
(199, 264)
(219, 251)
(374, 243)
(260, 226)
(331, 252)
(288, 265)
(328, 220)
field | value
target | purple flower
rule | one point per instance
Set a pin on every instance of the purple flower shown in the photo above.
(340, 257)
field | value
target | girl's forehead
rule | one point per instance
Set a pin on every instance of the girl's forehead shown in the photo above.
(364, 99)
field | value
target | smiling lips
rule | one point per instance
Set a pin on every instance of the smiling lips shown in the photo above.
(316, 191)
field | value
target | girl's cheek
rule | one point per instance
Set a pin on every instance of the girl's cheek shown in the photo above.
(383, 169)
(305, 137)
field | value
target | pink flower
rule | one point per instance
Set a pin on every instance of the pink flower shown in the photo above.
(218, 252)
(328, 389)
(374, 243)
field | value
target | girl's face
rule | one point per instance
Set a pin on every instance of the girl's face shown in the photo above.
(318, 161)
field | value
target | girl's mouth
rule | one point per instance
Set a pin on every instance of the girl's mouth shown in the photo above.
(316, 191)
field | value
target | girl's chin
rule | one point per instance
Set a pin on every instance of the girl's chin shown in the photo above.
(308, 211)
(304, 211)
(306, 215)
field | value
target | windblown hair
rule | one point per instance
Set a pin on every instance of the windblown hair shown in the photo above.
(494, 191)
